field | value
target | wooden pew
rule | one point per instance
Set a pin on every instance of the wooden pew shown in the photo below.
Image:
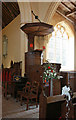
(54, 107)
(68, 77)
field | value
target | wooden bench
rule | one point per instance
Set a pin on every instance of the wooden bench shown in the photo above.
(54, 107)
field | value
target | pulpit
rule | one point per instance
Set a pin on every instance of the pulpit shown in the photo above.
(36, 29)
(32, 63)
(33, 67)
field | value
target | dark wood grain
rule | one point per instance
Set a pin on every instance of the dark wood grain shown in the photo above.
(54, 107)
(37, 28)
(10, 10)
(33, 67)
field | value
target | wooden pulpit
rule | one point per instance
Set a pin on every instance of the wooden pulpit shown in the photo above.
(36, 29)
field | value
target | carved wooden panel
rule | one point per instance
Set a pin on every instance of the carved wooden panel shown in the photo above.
(32, 58)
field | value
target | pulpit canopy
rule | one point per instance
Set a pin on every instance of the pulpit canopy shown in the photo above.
(37, 28)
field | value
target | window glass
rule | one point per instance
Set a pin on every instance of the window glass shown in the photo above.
(58, 48)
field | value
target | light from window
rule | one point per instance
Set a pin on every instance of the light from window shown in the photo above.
(58, 48)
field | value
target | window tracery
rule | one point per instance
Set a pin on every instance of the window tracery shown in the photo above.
(58, 46)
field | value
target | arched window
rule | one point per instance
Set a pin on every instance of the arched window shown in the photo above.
(58, 48)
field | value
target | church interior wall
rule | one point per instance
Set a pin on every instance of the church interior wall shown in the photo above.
(12, 31)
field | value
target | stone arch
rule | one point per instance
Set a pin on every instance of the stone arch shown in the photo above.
(67, 27)
(51, 11)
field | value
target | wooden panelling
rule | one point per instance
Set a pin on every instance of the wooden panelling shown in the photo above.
(32, 58)
(33, 67)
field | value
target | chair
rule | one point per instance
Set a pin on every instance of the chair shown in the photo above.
(30, 94)
(19, 93)
(34, 92)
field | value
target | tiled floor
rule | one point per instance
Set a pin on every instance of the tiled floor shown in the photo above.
(13, 109)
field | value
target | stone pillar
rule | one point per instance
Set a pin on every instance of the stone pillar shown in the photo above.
(25, 12)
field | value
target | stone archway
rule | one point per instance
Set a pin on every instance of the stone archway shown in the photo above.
(51, 11)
